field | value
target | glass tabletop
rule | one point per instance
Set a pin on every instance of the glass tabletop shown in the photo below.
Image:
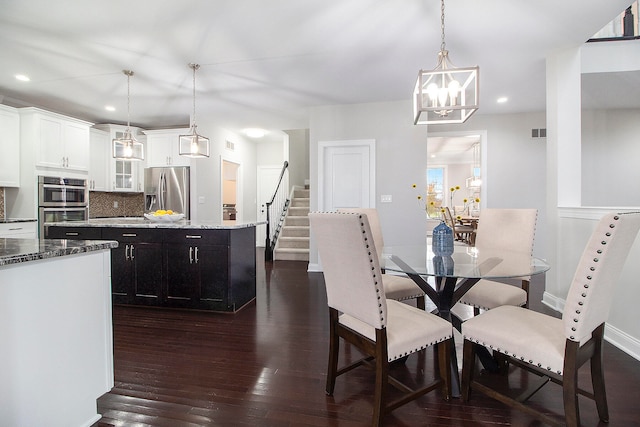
(465, 262)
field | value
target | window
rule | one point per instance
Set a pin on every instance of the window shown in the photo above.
(435, 191)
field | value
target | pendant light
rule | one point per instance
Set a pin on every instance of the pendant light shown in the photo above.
(194, 145)
(445, 94)
(127, 147)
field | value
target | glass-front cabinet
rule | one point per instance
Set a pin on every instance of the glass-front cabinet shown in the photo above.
(124, 175)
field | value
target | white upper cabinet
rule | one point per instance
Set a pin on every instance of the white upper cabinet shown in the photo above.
(163, 149)
(99, 162)
(59, 142)
(9, 147)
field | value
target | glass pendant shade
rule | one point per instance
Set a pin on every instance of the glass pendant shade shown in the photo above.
(194, 145)
(127, 147)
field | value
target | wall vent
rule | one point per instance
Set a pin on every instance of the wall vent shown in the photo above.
(231, 146)
(538, 133)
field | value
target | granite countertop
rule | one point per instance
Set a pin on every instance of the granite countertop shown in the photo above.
(136, 222)
(14, 251)
(14, 220)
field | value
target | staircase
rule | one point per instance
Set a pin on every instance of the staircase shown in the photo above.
(293, 243)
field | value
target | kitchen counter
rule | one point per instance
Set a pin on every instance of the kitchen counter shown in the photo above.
(14, 251)
(137, 222)
(182, 264)
(14, 220)
(56, 328)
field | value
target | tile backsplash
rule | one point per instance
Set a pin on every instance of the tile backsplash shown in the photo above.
(107, 204)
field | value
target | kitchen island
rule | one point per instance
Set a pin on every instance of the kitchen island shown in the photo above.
(56, 331)
(182, 264)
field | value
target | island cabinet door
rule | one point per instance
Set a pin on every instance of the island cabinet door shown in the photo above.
(146, 261)
(213, 278)
(136, 265)
(181, 278)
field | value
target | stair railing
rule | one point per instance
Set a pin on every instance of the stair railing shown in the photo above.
(276, 210)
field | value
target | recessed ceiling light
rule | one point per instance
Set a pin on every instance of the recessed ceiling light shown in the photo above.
(502, 100)
(22, 78)
(255, 132)
(110, 108)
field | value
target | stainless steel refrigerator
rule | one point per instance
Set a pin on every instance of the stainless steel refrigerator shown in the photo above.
(167, 188)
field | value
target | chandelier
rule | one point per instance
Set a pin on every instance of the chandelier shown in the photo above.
(445, 94)
(127, 147)
(193, 144)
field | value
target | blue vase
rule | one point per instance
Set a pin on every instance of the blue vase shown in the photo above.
(442, 241)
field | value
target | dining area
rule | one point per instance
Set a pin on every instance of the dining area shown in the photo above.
(478, 297)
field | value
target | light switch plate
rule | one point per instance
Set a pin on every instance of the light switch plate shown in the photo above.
(386, 198)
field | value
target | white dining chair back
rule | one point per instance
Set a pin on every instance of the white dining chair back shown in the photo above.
(556, 348)
(396, 287)
(509, 230)
(383, 330)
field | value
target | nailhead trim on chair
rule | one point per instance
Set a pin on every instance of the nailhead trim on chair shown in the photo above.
(392, 358)
(576, 319)
(531, 362)
(373, 267)
(589, 277)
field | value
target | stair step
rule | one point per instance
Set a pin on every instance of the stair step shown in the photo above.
(301, 193)
(291, 255)
(300, 202)
(296, 221)
(294, 231)
(298, 211)
(292, 242)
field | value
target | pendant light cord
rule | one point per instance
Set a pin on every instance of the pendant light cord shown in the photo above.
(128, 73)
(442, 44)
(194, 67)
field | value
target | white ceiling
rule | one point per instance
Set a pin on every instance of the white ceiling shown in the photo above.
(265, 63)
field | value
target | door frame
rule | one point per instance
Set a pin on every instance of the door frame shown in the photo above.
(239, 190)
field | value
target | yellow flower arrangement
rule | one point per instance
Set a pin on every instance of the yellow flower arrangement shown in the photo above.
(430, 203)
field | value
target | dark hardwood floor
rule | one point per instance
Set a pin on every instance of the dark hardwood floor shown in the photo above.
(266, 365)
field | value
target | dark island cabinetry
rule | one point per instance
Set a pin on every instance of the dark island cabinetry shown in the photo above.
(136, 265)
(194, 268)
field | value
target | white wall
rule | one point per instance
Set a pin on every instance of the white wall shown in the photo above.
(401, 152)
(610, 154)
(208, 185)
(298, 156)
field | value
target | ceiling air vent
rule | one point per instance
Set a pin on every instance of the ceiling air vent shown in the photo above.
(538, 133)
(231, 146)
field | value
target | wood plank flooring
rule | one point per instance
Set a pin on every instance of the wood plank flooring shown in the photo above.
(266, 366)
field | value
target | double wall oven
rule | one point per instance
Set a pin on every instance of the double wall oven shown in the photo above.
(61, 200)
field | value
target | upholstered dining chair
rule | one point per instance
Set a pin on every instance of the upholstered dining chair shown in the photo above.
(383, 329)
(461, 232)
(555, 348)
(396, 287)
(502, 229)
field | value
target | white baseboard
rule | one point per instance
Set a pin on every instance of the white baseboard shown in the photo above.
(613, 335)
(314, 268)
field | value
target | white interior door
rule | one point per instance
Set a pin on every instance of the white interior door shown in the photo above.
(268, 177)
(347, 178)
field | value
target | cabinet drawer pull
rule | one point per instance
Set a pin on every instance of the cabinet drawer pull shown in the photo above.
(15, 229)
(193, 236)
(129, 235)
(190, 254)
(70, 233)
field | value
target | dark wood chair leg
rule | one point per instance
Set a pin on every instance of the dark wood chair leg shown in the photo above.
(420, 303)
(444, 355)
(597, 376)
(468, 368)
(334, 347)
(476, 311)
(570, 384)
(382, 379)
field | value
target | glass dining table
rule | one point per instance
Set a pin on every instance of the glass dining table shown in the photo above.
(452, 276)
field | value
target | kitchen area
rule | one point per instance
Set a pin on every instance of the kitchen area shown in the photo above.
(81, 231)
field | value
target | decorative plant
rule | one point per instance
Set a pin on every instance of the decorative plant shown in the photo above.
(430, 203)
